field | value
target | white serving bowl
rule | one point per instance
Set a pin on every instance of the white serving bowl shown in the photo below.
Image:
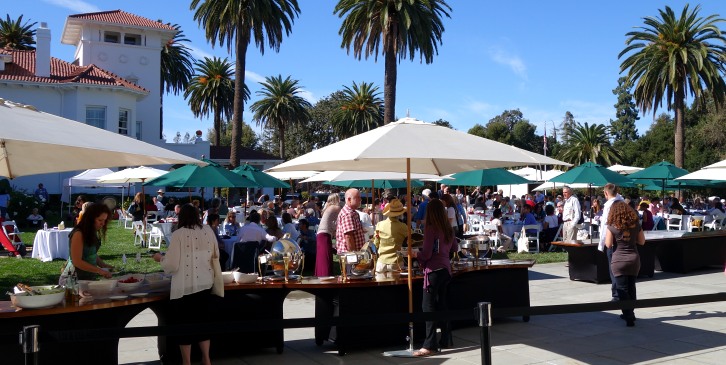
(139, 279)
(228, 277)
(242, 278)
(51, 296)
(158, 280)
(99, 286)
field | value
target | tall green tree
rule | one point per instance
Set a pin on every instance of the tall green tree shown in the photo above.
(651, 146)
(14, 34)
(589, 143)
(401, 27)
(211, 90)
(176, 67)
(567, 127)
(249, 137)
(280, 107)
(443, 123)
(236, 23)
(671, 56)
(623, 128)
(361, 109)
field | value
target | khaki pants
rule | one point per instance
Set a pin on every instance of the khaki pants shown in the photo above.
(569, 231)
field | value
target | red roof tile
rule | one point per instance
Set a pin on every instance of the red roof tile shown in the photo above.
(61, 72)
(122, 17)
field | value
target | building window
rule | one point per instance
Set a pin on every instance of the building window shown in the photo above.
(96, 116)
(123, 121)
(112, 37)
(138, 130)
(132, 39)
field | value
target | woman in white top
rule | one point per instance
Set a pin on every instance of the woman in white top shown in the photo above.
(450, 211)
(289, 227)
(189, 261)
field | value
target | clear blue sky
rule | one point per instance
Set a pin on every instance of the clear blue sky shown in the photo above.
(542, 57)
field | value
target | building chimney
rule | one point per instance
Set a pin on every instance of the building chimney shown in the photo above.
(42, 51)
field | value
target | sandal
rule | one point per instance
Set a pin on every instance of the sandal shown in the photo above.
(423, 352)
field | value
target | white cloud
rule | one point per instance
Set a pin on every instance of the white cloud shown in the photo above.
(197, 52)
(308, 95)
(252, 76)
(515, 63)
(479, 107)
(75, 5)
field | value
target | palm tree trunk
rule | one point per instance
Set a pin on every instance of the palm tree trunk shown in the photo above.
(161, 109)
(389, 80)
(217, 126)
(678, 138)
(282, 142)
(239, 82)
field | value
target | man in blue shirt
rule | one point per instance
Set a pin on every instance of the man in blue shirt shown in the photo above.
(528, 218)
(41, 194)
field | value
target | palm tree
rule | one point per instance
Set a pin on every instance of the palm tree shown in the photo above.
(671, 55)
(14, 35)
(236, 23)
(212, 90)
(361, 109)
(403, 26)
(280, 107)
(589, 143)
(176, 67)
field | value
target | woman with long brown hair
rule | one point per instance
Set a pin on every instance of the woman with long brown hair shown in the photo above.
(86, 238)
(623, 234)
(439, 243)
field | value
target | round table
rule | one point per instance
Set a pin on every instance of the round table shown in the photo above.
(51, 244)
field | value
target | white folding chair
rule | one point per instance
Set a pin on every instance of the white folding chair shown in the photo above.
(12, 231)
(533, 238)
(674, 222)
(139, 233)
(493, 232)
(125, 219)
(152, 216)
(155, 238)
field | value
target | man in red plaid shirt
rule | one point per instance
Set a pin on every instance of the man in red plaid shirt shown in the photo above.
(349, 234)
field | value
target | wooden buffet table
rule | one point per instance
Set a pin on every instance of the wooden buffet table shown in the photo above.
(504, 283)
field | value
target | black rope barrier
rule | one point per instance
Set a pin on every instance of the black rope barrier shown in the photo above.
(251, 325)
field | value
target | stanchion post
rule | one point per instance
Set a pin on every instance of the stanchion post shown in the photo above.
(29, 342)
(484, 315)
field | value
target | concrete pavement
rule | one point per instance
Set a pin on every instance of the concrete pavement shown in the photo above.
(686, 334)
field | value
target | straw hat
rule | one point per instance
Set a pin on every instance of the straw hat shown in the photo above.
(394, 208)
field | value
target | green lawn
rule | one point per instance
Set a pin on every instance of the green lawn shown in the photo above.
(119, 241)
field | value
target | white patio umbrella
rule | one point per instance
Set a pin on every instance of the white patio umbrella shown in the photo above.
(292, 175)
(720, 164)
(622, 169)
(413, 146)
(706, 173)
(367, 175)
(33, 142)
(558, 185)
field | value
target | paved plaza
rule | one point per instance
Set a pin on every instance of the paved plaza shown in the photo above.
(686, 334)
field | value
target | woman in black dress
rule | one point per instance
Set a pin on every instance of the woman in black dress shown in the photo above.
(624, 233)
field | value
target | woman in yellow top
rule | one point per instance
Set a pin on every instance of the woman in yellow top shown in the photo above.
(390, 235)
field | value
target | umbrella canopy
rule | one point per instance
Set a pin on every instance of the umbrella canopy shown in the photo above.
(131, 175)
(211, 176)
(622, 169)
(533, 174)
(291, 175)
(720, 164)
(555, 185)
(710, 174)
(388, 147)
(377, 184)
(259, 177)
(661, 171)
(592, 174)
(366, 175)
(487, 177)
(33, 142)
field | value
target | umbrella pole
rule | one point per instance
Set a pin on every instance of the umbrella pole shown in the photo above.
(408, 352)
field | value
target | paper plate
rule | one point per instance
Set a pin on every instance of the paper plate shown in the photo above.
(118, 297)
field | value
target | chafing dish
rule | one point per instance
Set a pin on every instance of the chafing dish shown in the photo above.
(285, 257)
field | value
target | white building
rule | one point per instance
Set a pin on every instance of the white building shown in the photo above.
(113, 82)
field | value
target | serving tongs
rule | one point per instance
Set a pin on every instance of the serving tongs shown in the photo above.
(27, 289)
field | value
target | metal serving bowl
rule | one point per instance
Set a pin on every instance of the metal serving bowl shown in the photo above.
(282, 248)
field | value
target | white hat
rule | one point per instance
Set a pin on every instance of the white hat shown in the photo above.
(426, 192)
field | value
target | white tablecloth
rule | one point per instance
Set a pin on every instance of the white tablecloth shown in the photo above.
(51, 244)
(165, 230)
(510, 229)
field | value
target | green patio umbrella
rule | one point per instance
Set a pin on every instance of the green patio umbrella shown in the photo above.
(487, 177)
(210, 176)
(592, 174)
(662, 171)
(262, 178)
(377, 184)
